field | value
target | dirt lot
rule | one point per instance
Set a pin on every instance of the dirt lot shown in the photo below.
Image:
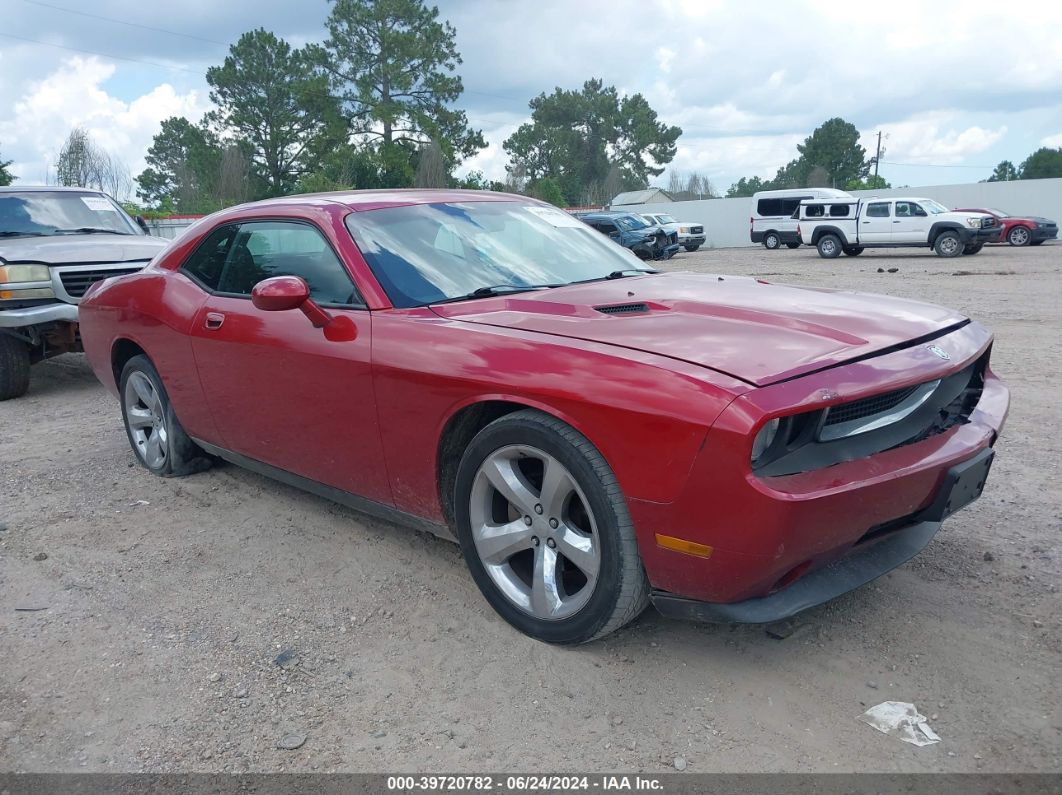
(148, 638)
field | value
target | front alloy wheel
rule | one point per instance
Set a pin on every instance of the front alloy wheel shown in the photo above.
(545, 531)
(1019, 236)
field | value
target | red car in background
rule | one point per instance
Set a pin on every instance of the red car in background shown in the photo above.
(595, 434)
(1020, 230)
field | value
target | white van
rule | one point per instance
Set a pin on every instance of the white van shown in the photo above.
(773, 221)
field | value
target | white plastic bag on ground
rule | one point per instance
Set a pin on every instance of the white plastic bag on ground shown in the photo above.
(902, 720)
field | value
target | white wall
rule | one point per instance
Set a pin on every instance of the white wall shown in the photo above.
(726, 221)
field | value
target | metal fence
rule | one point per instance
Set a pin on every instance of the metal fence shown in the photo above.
(726, 221)
(171, 226)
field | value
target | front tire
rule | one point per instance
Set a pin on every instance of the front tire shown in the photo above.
(771, 241)
(1019, 236)
(155, 434)
(829, 246)
(691, 249)
(14, 367)
(545, 531)
(948, 244)
(792, 245)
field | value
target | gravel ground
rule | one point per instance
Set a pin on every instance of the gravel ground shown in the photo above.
(213, 623)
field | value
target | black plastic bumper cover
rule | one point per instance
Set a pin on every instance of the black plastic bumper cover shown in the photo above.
(962, 485)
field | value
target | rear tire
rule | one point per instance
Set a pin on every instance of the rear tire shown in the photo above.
(1019, 236)
(792, 245)
(545, 531)
(14, 367)
(829, 246)
(853, 251)
(973, 248)
(948, 244)
(155, 434)
(771, 241)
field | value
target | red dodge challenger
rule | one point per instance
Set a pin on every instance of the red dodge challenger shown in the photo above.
(597, 435)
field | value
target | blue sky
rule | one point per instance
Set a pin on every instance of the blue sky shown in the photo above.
(955, 86)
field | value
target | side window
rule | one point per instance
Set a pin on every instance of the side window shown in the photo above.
(903, 210)
(262, 249)
(768, 207)
(790, 206)
(838, 210)
(815, 211)
(878, 210)
(916, 209)
(206, 263)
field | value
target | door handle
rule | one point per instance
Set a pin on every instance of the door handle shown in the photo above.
(214, 320)
(896, 222)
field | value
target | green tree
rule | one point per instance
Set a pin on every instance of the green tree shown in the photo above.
(835, 147)
(871, 182)
(547, 190)
(1042, 164)
(1004, 172)
(578, 137)
(746, 186)
(183, 164)
(6, 177)
(393, 65)
(275, 98)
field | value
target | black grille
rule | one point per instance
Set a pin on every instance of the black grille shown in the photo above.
(76, 283)
(867, 407)
(696, 230)
(622, 309)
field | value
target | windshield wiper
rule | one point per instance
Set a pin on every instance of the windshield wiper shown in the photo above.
(494, 289)
(90, 230)
(616, 275)
(8, 233)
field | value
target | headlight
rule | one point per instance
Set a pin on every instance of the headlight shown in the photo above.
(24, 273)
(974, 222)
(764, 438)
(684, 230)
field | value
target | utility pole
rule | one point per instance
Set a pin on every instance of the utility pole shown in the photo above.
(877, 156)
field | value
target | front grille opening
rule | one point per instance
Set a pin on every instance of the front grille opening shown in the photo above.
(76, 283)
(867, 407)
(622, 309)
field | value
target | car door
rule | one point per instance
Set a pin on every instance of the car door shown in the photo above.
(280, 391)
(910, 224)
(876, 224)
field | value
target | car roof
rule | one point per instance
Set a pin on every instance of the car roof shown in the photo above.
(396, 197)
(48, 189)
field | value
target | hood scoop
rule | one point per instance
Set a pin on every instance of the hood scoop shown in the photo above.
(622, 309)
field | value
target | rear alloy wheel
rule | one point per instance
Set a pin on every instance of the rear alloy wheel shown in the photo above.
(853, 251)
(829, 246)
(948, 244)
(771, 241)
(155, 434)
(792, 245)
(14, 367)
(973, 248)
(545, 531)
(1019, 236)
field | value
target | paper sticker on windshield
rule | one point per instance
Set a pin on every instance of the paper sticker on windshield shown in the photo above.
(555, 217)
(98, 204)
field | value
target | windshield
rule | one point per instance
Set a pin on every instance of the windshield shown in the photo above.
(933, 207)
(426, 253)
(997, 213)
(666, 219)
(630, 222)
(46, 213)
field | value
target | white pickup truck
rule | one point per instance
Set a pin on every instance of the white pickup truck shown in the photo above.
(852, 225)
(690, 235)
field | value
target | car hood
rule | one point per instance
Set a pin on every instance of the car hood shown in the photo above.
(70, 249)
(758, 332)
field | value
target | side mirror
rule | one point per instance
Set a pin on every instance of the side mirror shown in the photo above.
(142, 223)
(280, 293)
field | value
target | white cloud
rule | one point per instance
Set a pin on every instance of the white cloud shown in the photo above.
(74, 95)
(1054, 141)
(933, 138)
